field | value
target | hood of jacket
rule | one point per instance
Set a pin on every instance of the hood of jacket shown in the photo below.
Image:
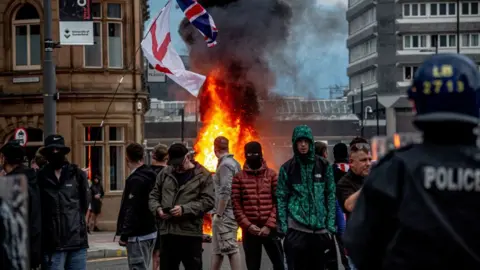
(300, 132)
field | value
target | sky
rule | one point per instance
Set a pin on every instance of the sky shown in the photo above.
(321, 59)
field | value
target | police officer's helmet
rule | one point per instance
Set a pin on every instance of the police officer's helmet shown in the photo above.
(446, 87)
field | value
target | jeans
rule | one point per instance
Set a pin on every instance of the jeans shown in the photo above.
(139, 254)
(67, 260)
(252, 245)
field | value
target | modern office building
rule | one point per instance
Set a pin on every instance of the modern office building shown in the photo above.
(388, 40)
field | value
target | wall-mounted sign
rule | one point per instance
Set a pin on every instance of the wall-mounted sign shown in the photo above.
(21, 135)
(154, 75)
(76, 25)
(26, 80)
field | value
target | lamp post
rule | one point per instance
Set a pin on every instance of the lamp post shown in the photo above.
(49, 80)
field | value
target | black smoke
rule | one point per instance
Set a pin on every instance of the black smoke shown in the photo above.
(256, 43)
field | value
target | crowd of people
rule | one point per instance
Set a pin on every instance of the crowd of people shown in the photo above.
(416, 208)
(302, 205)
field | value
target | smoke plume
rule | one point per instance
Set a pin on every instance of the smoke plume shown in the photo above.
(315, 49)
(282, 45)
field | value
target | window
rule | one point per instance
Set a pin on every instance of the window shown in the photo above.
(364, 20)
(363, 50)
(470, 40)
(115, 52)
(367, 78)
(443, 9)
(408, 72)
(26, 38)
(106, 145)
(414, 10)
(113, 45)
(414, 41)
(446, 41)
(469, 9)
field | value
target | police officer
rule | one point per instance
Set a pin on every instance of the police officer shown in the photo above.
(419, 207)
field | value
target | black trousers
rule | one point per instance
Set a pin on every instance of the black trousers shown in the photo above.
(307, 251)
(252, 246)
(176, 249)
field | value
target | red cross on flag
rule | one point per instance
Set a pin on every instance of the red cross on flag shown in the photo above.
(158, 49)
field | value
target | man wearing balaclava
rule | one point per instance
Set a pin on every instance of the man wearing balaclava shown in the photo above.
(64, 194)
(254, 206)
(306, 204)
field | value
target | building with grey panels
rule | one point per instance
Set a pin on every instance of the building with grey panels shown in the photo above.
(389, 39)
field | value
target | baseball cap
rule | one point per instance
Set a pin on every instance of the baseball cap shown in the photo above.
(176, 154)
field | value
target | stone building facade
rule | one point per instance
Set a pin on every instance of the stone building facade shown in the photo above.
(87, 78)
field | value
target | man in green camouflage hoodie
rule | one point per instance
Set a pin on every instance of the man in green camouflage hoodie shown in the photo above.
(306, 204)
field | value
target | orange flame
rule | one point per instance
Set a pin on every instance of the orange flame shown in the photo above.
(220, 120)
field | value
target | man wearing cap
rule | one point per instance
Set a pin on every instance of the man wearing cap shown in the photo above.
(64, 194)
(12, 155)
(136, 225)
(418, 208)
(182, 194)
(224, 226)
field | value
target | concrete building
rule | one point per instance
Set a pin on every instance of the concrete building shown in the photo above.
(388, 40)
(87, 77)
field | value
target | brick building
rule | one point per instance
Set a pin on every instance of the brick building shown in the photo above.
(87, 77)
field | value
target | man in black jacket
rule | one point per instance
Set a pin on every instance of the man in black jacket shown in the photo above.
(340, 165)
(419, 206)
(13, 154)
(136, 224)
(64, 192)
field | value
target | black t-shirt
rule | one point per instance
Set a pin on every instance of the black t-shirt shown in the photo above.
(184, 177)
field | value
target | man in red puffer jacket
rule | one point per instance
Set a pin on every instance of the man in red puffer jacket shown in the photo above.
(254, 207)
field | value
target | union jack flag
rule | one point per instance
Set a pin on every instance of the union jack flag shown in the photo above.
(199, 17)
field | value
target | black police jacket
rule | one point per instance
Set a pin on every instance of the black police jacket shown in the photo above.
(419, 209)
(34, 214)
(64, 206)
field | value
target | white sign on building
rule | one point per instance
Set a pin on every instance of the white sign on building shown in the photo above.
(155, 75)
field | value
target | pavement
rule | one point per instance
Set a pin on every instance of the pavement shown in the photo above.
(102, 246)
(104, 254)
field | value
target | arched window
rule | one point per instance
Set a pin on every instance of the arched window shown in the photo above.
(26, 38)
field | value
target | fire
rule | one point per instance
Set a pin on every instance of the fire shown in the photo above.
(219, 118)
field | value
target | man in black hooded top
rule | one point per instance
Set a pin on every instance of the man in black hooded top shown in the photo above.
(12, 155)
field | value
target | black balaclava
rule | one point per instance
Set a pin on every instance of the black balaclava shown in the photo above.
(57, 160)
(253, 155)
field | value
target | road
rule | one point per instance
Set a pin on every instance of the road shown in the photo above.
(121, 263)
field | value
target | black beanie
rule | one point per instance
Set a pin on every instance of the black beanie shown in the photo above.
(340, 151)
(253, 147)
